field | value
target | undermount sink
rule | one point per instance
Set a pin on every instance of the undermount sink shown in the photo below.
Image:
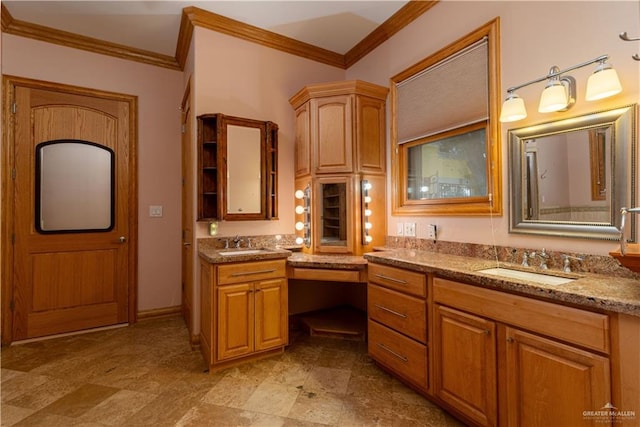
(236, 252)
(530, 276)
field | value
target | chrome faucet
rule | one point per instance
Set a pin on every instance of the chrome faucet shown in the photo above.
(525, 259)
(237, 240)
(543, 258)
(566, 262)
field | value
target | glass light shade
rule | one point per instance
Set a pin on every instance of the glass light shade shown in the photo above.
(299, 194)
(299, 240)
(553, 98)
(513, 109)
(299, 210)
(299, 226)
(602, 83)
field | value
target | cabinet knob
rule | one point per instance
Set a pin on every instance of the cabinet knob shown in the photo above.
(510, 340)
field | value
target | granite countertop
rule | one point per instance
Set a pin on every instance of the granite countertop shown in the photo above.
(336, 262)
(214, 255)
(590, 290)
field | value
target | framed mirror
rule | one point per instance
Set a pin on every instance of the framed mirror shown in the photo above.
(569, 178)
(334, 217)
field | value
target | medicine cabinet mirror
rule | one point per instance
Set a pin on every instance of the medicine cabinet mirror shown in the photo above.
(445, 130)
(570, 177)
(237, 168)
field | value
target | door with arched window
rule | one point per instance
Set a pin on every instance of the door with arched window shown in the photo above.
(73, 157)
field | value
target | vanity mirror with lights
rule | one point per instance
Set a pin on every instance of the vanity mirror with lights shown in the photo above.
(340, 167)
(571, 177)
(237, 168)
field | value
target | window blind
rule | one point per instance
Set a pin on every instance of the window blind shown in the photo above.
(450, 94)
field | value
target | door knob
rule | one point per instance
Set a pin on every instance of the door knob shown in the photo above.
(122, 239)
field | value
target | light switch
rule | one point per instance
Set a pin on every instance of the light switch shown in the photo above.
(155, 211)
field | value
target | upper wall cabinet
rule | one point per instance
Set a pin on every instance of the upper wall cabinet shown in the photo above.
(237, 168)
(340, 128)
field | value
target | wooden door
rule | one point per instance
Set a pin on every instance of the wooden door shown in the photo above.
(66, 278)
(303, 141)
(235, 320)
(187, 216)
(332, 134)
(549, 383)
(271, 314)
(465, 364)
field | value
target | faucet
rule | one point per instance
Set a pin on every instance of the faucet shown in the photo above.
(226, 243)
(237, 240)
(525, 259)
(566, 262)
(543, 258)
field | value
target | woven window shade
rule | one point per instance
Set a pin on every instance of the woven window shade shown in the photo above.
(450, 94)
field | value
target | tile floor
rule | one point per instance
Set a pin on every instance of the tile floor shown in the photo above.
(147, 375)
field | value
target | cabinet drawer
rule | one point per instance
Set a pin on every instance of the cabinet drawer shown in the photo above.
(403, 355)
(406, 281)
(250, 271)
(404, 313)
(572, 325)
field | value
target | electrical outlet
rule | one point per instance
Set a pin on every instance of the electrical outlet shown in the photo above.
(433, 232)
(400, 229)
(410, 229)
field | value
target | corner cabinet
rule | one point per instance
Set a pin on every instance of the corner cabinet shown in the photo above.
(340, 144)
(244, 311)
(237, 168)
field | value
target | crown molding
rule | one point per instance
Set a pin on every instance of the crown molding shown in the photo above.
(222, 24)
(403, 17)
(193, 16)
(64, 38)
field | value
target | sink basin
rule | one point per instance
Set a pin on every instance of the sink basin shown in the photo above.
(542, 278)
(236, 252)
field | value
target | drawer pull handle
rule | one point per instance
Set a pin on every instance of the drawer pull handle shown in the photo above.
(399, 356)
(388, 310)
(248, 273)
(391, 279)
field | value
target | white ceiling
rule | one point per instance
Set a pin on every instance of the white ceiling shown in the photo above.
(335, 25)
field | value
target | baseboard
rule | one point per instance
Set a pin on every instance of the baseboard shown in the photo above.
(157, 313)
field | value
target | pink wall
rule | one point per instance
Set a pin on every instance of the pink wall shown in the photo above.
(159, 93)
(534, 36)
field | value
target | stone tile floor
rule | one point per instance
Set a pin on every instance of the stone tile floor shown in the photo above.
(147, 375)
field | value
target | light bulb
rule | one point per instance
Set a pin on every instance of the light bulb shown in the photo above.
(368, 225)
(299, 226)
(299, 209)
(299, 240)
(368, 186)
(368, 239)
(367, 212)
(367, 199)
(299, 194)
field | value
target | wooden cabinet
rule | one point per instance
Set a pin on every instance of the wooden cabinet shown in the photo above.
(503, 359)
(397, 324)
(227, 147)
(550, 381)
(464, 358)
(340, 137)
(244, 310)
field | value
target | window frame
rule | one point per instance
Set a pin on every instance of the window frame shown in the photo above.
(491, 203)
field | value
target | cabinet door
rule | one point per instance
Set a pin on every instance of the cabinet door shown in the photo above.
(303, 141)
(465, 363)
(370, 135)
(552, 383)
(332, 136)
(235, 320)
(271, 314)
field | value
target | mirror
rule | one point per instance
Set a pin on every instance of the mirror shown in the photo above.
(74, 187)
(237, 168)
(243, 169)
(334, 207)
(569, 178)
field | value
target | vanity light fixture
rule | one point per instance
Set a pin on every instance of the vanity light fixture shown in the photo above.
(304, 209)
(365, 187)
(560, 91)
